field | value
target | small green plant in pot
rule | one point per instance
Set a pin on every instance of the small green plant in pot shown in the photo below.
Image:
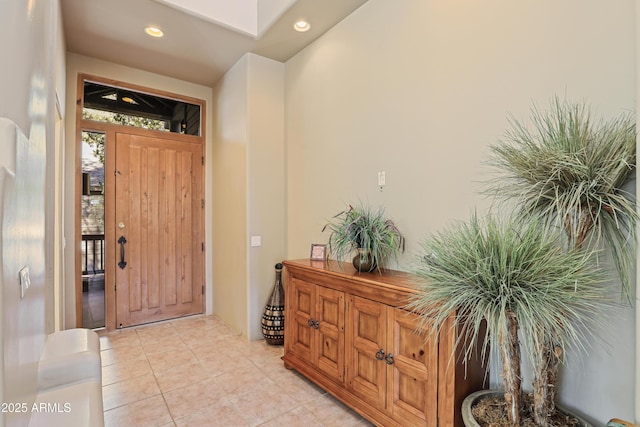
(513, 276)
(369, 233)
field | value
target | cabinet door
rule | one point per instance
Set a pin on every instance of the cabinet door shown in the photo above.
(366, 337)
(303, 306)
(329, 336)
(413, 382)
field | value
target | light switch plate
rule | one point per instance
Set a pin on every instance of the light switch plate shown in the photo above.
(25, 281)
(256, 241)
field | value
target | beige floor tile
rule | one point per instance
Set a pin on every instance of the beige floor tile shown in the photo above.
(170, 359)
(204, 348)
(181, 376)
(122, 354)
(119, 338)
(236, 383)
(298, 388)
(198, 324)
(151, 412)
(198, 371)
(125, 370)
(298, 417)
(129, 391)
(223, 414)
(155, 344)
(265, 356)
(194, 398)
(222, 362)
(212, 344)
(332, 413)
(276, 371)
(163, 329)
(264, 402)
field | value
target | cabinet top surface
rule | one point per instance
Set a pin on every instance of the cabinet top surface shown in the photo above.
(399, 280)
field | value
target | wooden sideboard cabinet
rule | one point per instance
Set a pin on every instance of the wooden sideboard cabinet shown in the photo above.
(347, 332)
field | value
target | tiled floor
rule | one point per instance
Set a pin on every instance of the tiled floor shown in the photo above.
(93, 301)
(197, 372)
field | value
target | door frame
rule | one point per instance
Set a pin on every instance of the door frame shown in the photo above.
(110, 131)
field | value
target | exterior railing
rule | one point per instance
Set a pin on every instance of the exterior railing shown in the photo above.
(92, 253)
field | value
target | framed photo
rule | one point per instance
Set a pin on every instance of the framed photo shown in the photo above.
(318, 252)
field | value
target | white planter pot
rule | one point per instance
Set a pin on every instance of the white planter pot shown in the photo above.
(469, 401)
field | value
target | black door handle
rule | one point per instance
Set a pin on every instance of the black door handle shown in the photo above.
(122, 264)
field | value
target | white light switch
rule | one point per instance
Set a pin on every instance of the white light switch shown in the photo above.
(25, 281)
(381, 178)
(256, 240)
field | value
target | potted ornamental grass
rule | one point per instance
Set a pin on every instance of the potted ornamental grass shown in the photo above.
(573, 170)
(538, 277)
(366, 232)
(507, 282)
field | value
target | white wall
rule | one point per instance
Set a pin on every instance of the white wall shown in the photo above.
(77, 64)
(249, 189)
(54, 239)
(230, 253)
(266, 202)
(30, 36)
(419, 89)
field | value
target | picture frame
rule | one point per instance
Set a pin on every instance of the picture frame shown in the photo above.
(318, 252)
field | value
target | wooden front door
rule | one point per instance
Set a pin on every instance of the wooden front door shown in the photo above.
(158, 222)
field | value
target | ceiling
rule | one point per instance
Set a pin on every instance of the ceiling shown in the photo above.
(192, 49)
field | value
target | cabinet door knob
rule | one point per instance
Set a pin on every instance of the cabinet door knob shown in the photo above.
(311, 323)
(316, 324)
(389, 359)
(380, 354)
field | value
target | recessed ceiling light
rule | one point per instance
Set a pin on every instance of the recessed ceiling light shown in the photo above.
(302, 26)
(154, 31)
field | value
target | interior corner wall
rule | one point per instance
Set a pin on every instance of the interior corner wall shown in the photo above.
(420, 89)
(249, 190)
(230, 239)
(55, 189)
(79, 64)
(266, 189)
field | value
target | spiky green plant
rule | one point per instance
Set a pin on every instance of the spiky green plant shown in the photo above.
(515, 276)
(362, 227)
(572, 170)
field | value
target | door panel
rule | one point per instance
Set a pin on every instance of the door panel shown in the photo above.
(367, 376)
(302, 308)
(330, 336)
(412, 390)
(158, 202)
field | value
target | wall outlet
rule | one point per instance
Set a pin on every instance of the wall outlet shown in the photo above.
(25, 281)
